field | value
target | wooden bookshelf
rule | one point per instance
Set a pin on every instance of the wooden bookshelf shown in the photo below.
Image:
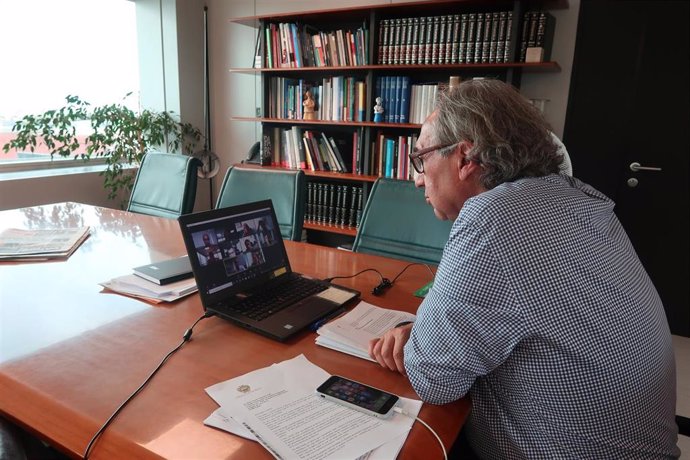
(282, 87)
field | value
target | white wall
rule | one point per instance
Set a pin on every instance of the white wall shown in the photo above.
(234, 94)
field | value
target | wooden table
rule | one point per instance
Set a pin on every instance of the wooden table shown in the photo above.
(71, 352)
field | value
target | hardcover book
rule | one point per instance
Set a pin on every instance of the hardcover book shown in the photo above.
(165, 271)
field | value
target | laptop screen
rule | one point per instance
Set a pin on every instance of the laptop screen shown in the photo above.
(235, 249)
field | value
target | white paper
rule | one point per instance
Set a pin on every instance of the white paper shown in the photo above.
(280, 406)
(352, 332)
(138, 286)
(59, 242)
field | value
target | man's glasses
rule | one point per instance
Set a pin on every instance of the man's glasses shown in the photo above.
(417, 156)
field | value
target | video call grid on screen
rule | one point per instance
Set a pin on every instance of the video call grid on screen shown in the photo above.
(235, 249)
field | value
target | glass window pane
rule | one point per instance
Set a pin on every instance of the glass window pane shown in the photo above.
(51, 49)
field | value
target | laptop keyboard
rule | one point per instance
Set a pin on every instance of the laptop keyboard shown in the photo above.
(267, 302)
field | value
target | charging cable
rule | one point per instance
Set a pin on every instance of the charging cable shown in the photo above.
(400, 410)
(185, 338)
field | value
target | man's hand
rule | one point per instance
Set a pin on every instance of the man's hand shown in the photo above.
(388, 350)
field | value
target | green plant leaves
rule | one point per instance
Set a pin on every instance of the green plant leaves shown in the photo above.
(119, 134)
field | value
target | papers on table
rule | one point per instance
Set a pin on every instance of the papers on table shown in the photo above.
(40, 244)
(352, 332)
(136, 286)
(278, 406)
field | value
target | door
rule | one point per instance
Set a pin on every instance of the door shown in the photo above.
(629, 103)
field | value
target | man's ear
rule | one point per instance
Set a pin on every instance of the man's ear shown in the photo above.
(465, 167)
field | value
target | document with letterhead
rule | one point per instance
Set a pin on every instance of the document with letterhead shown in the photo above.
(278, 407)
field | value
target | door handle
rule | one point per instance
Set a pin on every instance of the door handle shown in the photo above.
(635, 166)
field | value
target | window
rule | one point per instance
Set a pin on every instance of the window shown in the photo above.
(52, 49)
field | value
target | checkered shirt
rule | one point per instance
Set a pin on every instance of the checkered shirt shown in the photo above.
(542, 310)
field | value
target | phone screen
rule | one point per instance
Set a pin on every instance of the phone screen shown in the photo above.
(358, 394)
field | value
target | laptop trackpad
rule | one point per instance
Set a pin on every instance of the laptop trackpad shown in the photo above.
(336, 295)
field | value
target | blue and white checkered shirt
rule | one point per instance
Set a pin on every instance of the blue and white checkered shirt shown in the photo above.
(543, 312)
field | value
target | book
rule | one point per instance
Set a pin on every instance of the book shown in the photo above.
(17, 244)
(352, 332)
(165, 271)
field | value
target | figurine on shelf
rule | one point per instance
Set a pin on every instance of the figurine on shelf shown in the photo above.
(378, 111)
(308, 104)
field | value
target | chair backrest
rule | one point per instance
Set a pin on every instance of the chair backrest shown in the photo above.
(287, 190)
(165, 185)
(397, 222)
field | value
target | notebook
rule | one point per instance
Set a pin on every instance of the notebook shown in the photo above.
(243, 273)
(166, 271)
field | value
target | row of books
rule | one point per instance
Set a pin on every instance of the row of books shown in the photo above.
(470, 38)
(332, 204)
(337, 98)
(537, 31)
(391, 156)
(298, 45)
(404, 102)
(295, 148)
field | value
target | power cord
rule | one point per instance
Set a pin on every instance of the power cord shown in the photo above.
(185, 338)
(400, 410)
(385, 283)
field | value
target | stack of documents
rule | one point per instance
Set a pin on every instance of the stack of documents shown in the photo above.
(135, 286)
(278, 407)
(40, 244)
(352, 332)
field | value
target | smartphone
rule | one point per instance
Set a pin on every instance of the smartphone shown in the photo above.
(358, 396)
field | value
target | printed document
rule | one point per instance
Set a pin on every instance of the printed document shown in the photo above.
(40, 244)
(352, 332)
(279, 406)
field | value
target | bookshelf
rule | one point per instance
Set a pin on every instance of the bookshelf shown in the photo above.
(346, 58)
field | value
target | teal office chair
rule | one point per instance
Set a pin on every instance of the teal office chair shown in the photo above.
(165, 185)
(397, 222)
(287, 190)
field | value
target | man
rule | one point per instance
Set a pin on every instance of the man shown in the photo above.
(540, 308)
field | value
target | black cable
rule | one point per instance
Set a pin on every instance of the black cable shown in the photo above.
(328, 280)
(385, 282)
(185, 338)
(410, 265)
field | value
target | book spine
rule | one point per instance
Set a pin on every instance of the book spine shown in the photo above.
(331, 204)
(471, 37)
(508, 50)
(388, 163)
(395, 116)
(408, 41)
(486, 43)
(545, 30)
(395, 42)
(338, 208)
(524, 35)
(479, 38)
(414, 42)
(428, 41)
(442, 22)
(342, 190)
(383, 41)
(435, 39)
(455, 39)
(309, 215)
(501, 36)
(360, 195)
(421, 47)
(386, 31)
(402, 49)
(462, 39)
(405, 99)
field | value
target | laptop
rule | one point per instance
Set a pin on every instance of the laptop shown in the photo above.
(165, 271)
(242, 270)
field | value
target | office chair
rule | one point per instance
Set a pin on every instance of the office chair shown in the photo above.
(287, 190)
(165, 185)
(397, 222)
